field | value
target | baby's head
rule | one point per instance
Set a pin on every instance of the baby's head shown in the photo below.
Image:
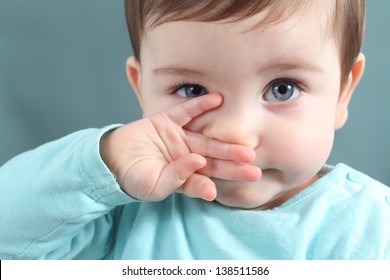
(286, 70)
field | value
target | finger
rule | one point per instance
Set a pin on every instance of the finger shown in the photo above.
(199, 186)
(185, 112)
(176, 173)
(229, 170)
(212, 148)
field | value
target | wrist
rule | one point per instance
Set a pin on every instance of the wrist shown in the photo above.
(106, 151)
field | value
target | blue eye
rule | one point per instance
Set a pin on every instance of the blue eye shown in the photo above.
(282, 91)
(191, 91)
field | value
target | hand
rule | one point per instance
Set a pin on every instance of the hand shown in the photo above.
(154, 157)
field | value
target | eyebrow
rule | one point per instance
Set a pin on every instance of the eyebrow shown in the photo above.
(178, 71)
(291, 65)
(278, 66)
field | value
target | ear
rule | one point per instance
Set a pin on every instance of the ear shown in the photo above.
(133, 71)
(348, 89)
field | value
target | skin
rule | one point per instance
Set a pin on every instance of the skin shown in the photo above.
(237, 143)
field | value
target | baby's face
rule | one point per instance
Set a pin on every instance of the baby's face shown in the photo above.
(280, 84)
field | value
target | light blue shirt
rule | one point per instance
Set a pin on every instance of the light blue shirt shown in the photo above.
(60, 201)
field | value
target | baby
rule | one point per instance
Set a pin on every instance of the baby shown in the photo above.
(241, 100)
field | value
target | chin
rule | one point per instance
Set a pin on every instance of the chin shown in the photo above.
(242, 195)
(267, 193)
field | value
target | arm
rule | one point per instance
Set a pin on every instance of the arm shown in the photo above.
(56, 200)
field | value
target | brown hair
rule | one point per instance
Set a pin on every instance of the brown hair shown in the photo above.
(347, 21)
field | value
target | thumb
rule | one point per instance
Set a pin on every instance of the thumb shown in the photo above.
(174, 175)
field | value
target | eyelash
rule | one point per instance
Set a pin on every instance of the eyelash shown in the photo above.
(175, 87)
(300, 85)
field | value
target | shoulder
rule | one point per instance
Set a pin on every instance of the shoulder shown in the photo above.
(349, 211)
(344, 186)
(356, 182)
(356, 199)
(341, 185)
(346, 193)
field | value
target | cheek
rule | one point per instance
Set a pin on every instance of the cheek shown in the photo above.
(301, 146)
(151, 107)
(154, 98)
(155, 102)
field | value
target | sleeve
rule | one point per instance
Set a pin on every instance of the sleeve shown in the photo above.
(58, 201)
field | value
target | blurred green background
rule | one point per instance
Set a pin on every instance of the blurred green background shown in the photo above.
(62, 69)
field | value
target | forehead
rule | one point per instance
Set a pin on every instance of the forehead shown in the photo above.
(178, 40)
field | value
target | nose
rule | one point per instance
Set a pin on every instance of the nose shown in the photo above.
(235, 123)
